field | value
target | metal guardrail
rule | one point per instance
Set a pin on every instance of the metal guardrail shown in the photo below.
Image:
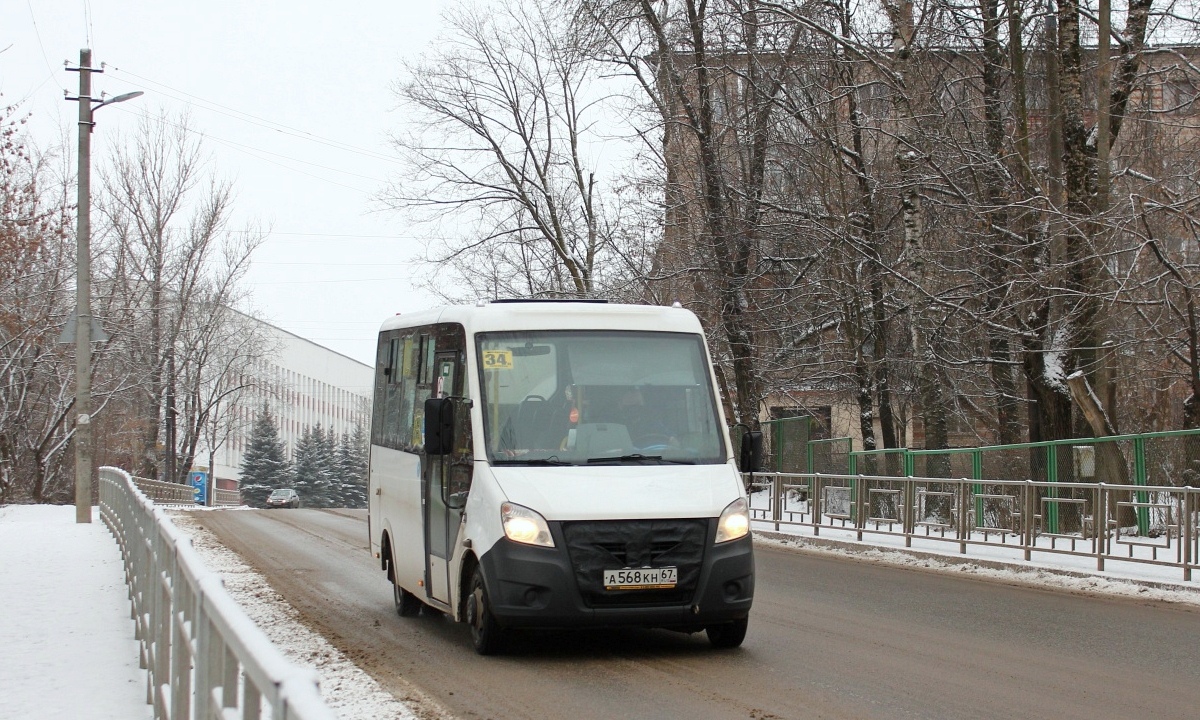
(973, 513)
(165, 493)
(226, 498)
(169, 493)
(205, 658)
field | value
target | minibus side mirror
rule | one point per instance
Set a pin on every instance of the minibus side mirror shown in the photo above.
(751, 451)
(439, 426)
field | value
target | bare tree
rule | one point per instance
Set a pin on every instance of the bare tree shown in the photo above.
(172, 270)
(713, 72)
(36, 265)
(906, 211)
(508, 160)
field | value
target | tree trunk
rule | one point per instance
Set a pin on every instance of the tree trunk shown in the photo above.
(909, 158)
(876, 374)
(996, 268)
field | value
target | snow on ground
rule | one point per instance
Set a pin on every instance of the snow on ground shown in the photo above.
(348, 690)
(66, 638)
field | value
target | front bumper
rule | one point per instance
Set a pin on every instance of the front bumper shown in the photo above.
(554, 587)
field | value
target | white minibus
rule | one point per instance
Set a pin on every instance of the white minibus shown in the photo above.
(555, 465)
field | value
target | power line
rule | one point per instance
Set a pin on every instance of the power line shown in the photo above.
(87, 19)
(248, 150)
(252, 150)
(348, 280)
(338, 235)
(253, 119)
(319, 237)
(42, 47)
(331, 264)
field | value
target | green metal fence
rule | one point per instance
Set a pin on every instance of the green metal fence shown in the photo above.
(1166, 459)
(786, 444)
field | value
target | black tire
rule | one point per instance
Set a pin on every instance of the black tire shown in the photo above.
(407, 604)
(727, 635)
(486, 634)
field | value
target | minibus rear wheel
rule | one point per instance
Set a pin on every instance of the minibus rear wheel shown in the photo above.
(727, 635)
(486, 634)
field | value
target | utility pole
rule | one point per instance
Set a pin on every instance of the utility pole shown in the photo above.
(83, 298)
(84, 335)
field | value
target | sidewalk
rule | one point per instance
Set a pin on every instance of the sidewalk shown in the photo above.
(1005, 562)
(66, 639)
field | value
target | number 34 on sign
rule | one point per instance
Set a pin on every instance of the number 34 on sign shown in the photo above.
(497, 360)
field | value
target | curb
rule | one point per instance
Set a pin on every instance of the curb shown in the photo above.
(819, 544)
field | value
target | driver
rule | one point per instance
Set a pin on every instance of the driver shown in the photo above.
(640, 421)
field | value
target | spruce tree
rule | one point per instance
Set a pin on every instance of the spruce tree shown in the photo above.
(264, 465)
(311, 468)
(303, 469)
(359, 453)
(329, 466)
(352, 469)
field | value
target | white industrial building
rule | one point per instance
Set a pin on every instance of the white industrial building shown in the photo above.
(303, 384)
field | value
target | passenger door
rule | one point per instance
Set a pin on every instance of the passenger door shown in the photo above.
(443, 479)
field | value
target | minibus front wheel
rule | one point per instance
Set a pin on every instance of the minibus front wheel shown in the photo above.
(407, 604)
(727, 635)
(486, 634)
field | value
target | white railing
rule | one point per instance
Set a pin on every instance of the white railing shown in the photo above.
(205, 658)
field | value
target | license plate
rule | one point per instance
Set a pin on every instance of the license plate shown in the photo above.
(640, 578)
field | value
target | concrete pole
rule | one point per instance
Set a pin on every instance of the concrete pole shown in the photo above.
(83, 303)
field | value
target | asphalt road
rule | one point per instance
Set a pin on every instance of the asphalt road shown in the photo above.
(829, 638)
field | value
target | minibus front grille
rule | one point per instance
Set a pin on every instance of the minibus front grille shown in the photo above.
(598, 545)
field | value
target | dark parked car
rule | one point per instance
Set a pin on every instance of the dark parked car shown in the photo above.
(283, 498)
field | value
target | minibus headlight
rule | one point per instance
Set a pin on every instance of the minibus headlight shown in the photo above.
(524, 525)
(734, 522)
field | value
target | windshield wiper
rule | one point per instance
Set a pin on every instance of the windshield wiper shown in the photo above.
(531, 461)
(630, 457)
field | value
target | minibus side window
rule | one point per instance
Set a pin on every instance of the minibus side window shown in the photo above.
(422, 389)
(405, 377)
(389, 392)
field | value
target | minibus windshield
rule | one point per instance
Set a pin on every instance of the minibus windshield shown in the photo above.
(597, 397)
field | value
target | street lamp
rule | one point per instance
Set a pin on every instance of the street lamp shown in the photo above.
(83, 286)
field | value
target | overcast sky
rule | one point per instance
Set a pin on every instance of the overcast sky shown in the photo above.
(295, 103)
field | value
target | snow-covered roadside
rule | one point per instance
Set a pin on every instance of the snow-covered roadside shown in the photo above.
(1068, 573)
(66, 639)
(347, 689)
